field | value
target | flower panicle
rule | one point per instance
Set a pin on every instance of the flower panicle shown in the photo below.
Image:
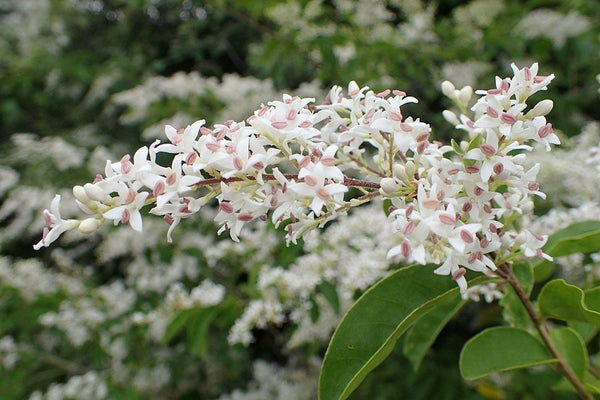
(293, 162)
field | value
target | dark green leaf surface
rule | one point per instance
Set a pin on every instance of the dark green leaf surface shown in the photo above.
(572, 347)
(422, 334)
(372, 326)
(501, 348)
(566, 302)
(512, 309)
(580, 237)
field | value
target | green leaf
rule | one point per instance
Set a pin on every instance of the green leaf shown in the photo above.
(476, 142)
(592, 384)
(543, 270)
(456, 147)
(572, 347)
(524, 273)
(386, 204)
(501, 348)
(566, 302)
(371, 327)
(198, 331)
(177, 324)
(513, 311)
(421, 335)
(580, 237)
(585, 330)
(329, 291)
(314, 310)
(592, 298)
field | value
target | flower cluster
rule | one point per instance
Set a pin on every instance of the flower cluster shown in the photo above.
(294, 163)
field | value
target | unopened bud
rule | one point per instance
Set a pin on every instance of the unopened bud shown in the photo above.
(353, 88)
(520, 239)
(527, 207)
(519, 159)
(542, 108)
(89, 225)
(400, 172)
(448, 89)
(450, 117)
(410, 169)
(464, 95)
(80, 194)
(388, 186)
(94, 192)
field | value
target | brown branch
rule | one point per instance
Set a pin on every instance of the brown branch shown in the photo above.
(270, 177)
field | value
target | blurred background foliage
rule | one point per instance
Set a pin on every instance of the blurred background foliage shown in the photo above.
(86, 80)
(53, 52)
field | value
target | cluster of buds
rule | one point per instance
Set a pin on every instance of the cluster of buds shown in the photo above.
(293, 162)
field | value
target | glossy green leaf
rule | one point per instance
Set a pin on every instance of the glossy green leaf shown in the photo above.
(586, 330)
(580, 237)
(572, 347)
(566, 302)
(422, 334)
(371, 327)
(501, 348)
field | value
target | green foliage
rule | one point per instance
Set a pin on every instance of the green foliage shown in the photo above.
(580, 237)
(501, 348)
(512, 309)
(372, 326)
(422, 334)
(570, 344)
(566, 302)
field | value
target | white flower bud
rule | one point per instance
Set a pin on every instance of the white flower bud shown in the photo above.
(542, 108)
(410, 169)
(388, 186)
(519, 159)
(80, 194)
(520, 239)
(448, 89)
(89, 225)
(94, 192)
(400, 172)
(353, 87)
(464, 95)
(527, 207)
(450, 117)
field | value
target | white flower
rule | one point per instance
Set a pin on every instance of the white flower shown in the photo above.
(56, 224)
(129, 211)
(317, 188)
